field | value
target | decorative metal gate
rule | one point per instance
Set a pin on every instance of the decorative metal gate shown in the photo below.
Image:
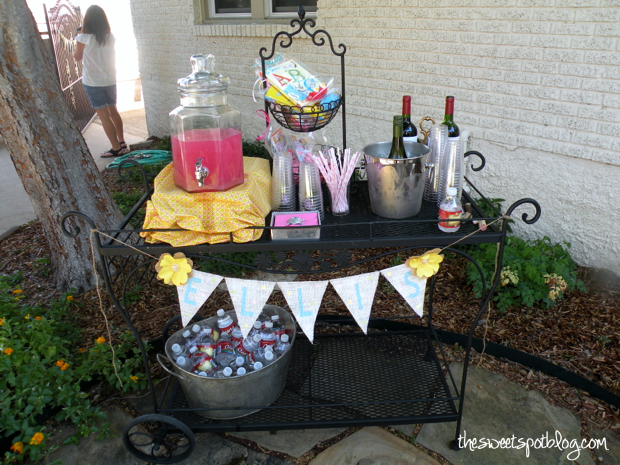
(63, 19)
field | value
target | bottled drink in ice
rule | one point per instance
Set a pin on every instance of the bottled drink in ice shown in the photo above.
(257, 366)
(239, 362)
(278, 327)
(184, 363)
(205, 342)
(204, 363)
(241, 371)
(282, 345)
(225, 323)
(224, 352)
(188, 339)
(256, 329)
(225, 372)
(268, 336)
(269, 357)
(236, 336)
(179, 350)
(259, 354)
(248, 346)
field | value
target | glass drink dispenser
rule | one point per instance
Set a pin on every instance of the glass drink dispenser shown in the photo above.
(205, 132)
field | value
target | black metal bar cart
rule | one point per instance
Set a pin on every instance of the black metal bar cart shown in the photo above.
(397, 374)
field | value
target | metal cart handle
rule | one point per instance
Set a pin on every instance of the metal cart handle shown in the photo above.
(161, 362)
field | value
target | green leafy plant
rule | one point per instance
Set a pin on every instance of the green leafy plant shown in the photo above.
(255, 149)
(43, 366)
(534, 271)
(490, 207)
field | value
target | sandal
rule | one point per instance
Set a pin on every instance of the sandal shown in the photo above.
(112, 153)
(124, 147)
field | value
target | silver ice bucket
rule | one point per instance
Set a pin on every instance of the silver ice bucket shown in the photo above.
(256, 388)
(396, 187)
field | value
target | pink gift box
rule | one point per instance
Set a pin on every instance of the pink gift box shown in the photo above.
(280, 219)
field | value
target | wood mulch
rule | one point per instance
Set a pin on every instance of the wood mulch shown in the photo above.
(581, 333)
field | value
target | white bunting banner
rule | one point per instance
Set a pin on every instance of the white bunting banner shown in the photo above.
(304, 298)
(249, 298)
(357, 293)
(194, 293)
(408, 285)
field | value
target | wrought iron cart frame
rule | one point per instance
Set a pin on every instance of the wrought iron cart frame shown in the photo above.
(391, 376)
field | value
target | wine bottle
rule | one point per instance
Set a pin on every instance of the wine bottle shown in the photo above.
(448, 119)
(398, 147)
(410, 133)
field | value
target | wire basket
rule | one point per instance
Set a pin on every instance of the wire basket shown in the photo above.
(304, 119)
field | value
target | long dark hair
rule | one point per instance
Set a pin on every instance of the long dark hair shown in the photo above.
(96, 23)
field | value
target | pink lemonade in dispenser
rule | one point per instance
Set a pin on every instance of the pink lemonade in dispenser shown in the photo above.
(216, 150)
(205, 132)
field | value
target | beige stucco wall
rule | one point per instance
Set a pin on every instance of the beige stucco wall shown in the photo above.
(537, 82)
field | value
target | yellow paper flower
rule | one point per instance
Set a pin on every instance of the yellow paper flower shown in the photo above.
(36, 439)
(18, 447)
(426, 265)
(174, 270)
(100, 340)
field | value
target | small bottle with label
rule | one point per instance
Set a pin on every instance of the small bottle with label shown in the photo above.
(450, 209)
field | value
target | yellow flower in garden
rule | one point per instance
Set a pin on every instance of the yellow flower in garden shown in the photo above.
(38, 318)
(100, 340)
(134, 379)
(425, 265)
(18, 447)
(17, 291)
(69, 297)
(1, 321)
(8, 351)
(36, 439)
(62, 364)
(174, 270)
(27, 317)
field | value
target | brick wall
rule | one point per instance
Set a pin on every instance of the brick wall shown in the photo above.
(537, 82)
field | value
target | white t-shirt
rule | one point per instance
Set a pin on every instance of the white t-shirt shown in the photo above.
(98, 63)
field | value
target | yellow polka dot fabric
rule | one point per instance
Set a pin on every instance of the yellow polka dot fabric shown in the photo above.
(209, 217)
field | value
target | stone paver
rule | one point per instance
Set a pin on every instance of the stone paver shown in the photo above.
(373, 446)
(497, 408)
(292, 442)
(610, 452)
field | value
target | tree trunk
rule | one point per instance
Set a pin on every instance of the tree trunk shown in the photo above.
(49, 153)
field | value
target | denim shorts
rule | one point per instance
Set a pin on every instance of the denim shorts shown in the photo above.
(101, 96)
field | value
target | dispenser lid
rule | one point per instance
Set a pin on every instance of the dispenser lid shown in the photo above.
(203, 78)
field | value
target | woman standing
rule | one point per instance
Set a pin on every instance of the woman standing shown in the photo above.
(95, 45)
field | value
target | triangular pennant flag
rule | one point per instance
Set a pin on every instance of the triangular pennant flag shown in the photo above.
(304, 298)
(249, 298)
(408, 285)
(194, 293)
(357, 293)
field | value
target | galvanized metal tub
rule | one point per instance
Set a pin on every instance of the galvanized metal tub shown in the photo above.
(396, 187)
(257, 388)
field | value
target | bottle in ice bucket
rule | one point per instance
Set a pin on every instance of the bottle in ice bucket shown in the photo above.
(225, 372)
(268, 336)
(204, 363)
(256, 329)
(247, 347)
(282, 345)
(257, 366)
(236, 336)
(278, 327)
(269, 357)
(225, 324)
(184, 363)
(450, 208)
(205, 132)
(180, 351)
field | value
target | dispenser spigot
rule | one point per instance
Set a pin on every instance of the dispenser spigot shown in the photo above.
(201, 172)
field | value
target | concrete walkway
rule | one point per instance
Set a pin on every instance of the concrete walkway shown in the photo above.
(19, 210)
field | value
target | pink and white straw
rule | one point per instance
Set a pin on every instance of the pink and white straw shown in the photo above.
(337, 168)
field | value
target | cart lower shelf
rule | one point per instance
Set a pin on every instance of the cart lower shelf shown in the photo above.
(383, 378)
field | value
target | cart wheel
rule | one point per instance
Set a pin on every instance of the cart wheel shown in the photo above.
(158, 438)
